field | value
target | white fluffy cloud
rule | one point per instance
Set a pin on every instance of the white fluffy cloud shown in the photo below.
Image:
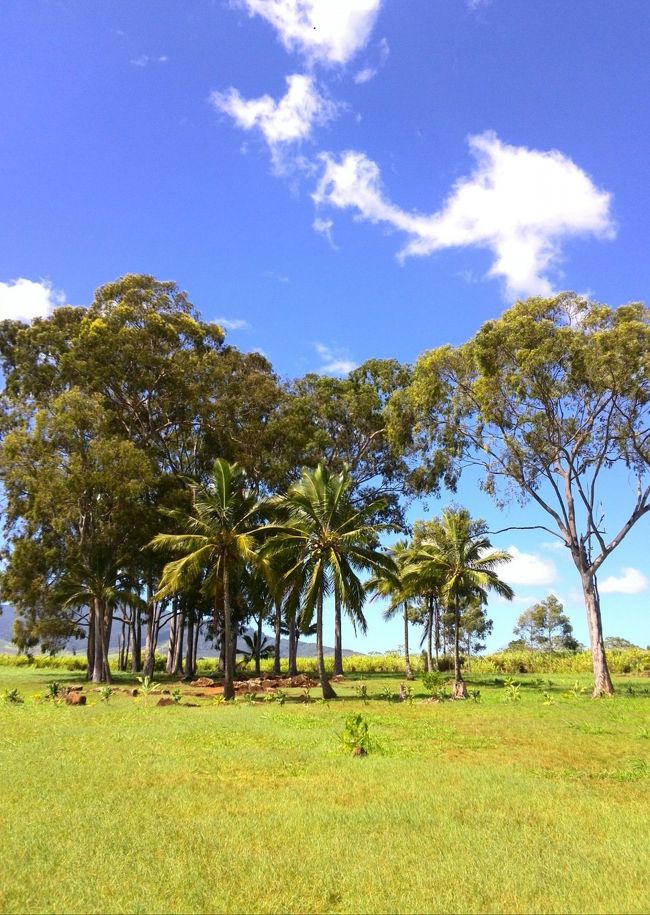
(324, 31)
(23, 300)
(630, 581)
(528, 569)
(289, 120)
(333, 362)
(518, 203)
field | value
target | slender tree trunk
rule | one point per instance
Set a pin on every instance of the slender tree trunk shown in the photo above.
(258, 647)
(189, 650)
(90, 644)
(121, 642)
(136, 640)
(408, 673)
(459, 689)
(278, 639)
(197, 633)
(173, 638)
(229, 666)
(430, 635)
(152, 633)
(338, 637)
(293, 645)
(326, 686)
(177, 669)
(602, 680)
(436, 620)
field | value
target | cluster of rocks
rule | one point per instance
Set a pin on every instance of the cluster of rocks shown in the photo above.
(258, 684)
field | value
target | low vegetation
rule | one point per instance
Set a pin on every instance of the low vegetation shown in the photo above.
(531, 804)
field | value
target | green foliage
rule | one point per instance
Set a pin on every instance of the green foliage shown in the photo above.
(105, 693)
(53, 690)
(176, 695)
(362, 692)
(147, 687)
(512, 690)
(387, 694)
(431, 681)
(11, 697)
(356, 738)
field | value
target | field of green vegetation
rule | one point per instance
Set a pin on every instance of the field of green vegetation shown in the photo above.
(529, 797)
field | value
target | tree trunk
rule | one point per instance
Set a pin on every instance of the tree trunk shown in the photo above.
(177, 667)
(459, 689)
(338, 642)
(430, 636)
(278, 638)
(408, 673)
(173, 638)
(90, 645)
(136, 641)
(258, 647)
(602, 680)
(152, 633)
(326, 686)
(436, 619)
(101, 671)
(293, 666)
(229, 666)
(189, 650)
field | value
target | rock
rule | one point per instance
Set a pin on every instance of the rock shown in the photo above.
(359, 751)
(75, 699)
(134, 692)
(165, 700)
(203, 681)
(268, 684)
(339, 678)
(165, 692)
(74, 689)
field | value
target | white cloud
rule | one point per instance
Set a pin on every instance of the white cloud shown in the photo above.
(23, 300)
(324, 227)
(518, 203)
(324, 31)
(368, 73)
(289, 120)
(630, 581)
(233, 323)
(334, 361)
(365, 75)
(277, 277)
(528, 569)
(144, 60)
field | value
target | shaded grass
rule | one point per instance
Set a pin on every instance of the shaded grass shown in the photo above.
(496, 806)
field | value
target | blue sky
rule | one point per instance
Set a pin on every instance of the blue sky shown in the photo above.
(339, 179)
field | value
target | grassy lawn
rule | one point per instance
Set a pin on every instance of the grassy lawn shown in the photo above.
(493, 806)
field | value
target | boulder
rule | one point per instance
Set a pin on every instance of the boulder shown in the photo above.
(203, 681)
(165, 700)
(74, 689)
(75, 699)
(134, 692)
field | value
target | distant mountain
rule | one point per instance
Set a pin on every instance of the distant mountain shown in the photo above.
(205, 648)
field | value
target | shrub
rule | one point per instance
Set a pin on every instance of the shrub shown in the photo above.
(356, 738)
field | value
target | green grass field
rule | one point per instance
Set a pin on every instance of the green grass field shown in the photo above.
(489, 806)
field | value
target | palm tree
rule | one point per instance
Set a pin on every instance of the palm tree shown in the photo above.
(460, 553)
(393, 585)
(220, 538)
(328, 543)
(98, 585)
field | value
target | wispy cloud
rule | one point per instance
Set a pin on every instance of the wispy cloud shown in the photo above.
(276, 277)
(233, 323)
(290, 120)
(324, 227)
(518, 203)
(630, 581)
(144, 60)
(368, 73)
(24, 300)
(334, 361)
(323, 31)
